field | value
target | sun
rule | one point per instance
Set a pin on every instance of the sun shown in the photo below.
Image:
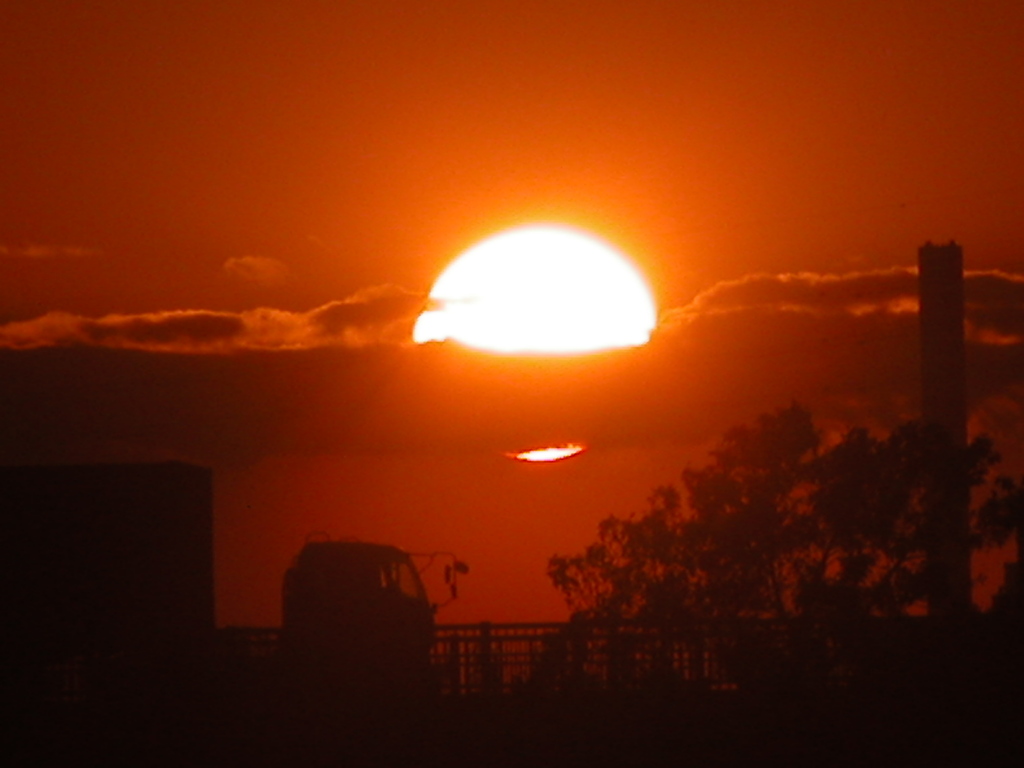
(548, 289)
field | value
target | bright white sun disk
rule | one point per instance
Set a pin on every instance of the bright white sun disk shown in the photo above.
(542, 289)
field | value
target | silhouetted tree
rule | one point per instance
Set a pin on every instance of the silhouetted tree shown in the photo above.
(778, 525)
(1002, 517)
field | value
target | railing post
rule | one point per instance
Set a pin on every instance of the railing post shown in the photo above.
(614, 658)
(489, 670)
(578, 651)
(698, 652)
(453, 666)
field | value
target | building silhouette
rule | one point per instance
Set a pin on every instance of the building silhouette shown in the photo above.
(104, 564)
(944, 403)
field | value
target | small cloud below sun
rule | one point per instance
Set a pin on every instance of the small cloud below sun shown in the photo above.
(550, 454)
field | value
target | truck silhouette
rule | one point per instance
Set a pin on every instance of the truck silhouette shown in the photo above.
(356, 616)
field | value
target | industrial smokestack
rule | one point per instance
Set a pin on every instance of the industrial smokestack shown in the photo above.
(943, 364)
(944, 402)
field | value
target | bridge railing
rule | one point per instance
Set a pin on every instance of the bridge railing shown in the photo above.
(489, 658)
(502, 658)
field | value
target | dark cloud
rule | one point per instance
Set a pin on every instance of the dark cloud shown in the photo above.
(848, 344)
(813, 293)
(326, 384)
(163, 330)
(995, 299)
(382, 315)
(995, 307)
(384, 312)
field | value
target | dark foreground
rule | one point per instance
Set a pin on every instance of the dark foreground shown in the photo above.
(568, 729)
(945, 694)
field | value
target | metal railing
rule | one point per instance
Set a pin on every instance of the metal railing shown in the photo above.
(487, 658)
(502, 658)
(491, 658)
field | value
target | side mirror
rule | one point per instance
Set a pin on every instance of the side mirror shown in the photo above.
(457, 568)
(452, 571)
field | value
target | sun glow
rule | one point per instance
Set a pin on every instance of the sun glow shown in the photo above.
(554, 453)
(539, 289)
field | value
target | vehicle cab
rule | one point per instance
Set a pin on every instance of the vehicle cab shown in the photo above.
(359, 612)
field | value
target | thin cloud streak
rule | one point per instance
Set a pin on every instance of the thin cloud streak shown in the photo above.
(261, 270)
(995, 299)
(381, 315)
(35, 251)
(889, 290)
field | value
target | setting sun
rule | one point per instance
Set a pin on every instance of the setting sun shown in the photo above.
(539, 289)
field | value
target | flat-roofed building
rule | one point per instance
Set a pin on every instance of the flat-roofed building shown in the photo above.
(105, 561)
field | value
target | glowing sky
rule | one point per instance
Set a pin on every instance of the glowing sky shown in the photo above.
(219, 222)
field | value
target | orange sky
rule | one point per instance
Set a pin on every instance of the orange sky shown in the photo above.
(217, 224)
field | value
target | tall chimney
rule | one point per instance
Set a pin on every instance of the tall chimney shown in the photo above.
(944, 402)
(943, 366)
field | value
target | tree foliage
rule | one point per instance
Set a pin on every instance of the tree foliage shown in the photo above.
(779, 525)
